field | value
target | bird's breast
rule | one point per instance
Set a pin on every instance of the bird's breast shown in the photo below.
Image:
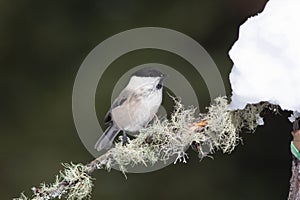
(136, 113)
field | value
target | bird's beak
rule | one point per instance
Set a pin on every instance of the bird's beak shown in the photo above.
(164, 76)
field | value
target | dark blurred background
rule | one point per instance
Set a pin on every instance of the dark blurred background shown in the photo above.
(42, 45)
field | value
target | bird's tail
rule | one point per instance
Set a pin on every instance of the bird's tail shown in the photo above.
(107, 138)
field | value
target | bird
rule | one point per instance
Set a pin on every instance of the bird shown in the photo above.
(134, 108)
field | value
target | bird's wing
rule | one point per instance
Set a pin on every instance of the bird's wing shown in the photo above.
(124, 95)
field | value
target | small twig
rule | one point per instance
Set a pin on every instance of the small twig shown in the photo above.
(98, 163)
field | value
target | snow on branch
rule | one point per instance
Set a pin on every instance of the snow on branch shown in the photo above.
(218, 129)
(266, 58)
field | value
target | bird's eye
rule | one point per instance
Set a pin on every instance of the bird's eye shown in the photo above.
(158, 86)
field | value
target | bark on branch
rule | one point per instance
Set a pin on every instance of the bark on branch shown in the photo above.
(294, 193)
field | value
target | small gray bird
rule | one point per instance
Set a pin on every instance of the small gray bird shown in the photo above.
(134, 108)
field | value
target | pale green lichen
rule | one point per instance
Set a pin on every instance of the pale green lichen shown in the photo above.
(220, 131)
(73, 183)
(224, 125)
(166, 138)
(247, 117)
(80, 182)
(172, 137)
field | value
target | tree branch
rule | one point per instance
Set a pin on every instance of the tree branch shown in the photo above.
(218, 129)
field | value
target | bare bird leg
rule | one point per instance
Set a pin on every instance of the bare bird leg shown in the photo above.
(124, 139)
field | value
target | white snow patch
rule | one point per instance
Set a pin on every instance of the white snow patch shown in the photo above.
(259, 120)
(266, 58)
(294, 116)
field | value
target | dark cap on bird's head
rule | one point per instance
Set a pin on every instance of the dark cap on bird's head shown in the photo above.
(148, 72)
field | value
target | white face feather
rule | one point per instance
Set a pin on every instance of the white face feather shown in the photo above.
(145, 83)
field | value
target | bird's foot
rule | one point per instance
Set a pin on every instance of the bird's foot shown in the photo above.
(124, 139)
